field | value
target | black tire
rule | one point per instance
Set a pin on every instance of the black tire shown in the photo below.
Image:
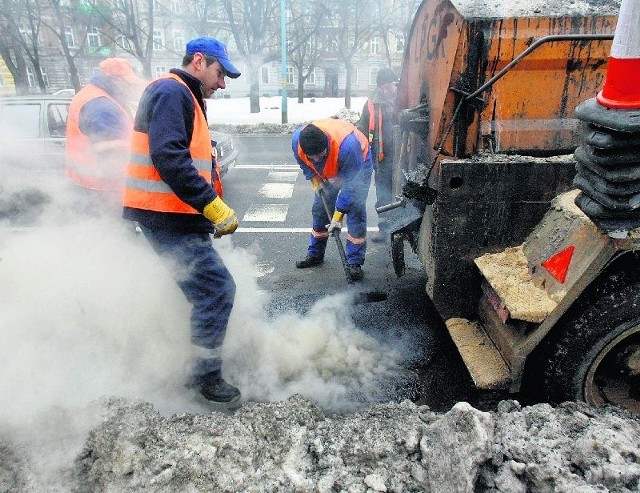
(595, 355)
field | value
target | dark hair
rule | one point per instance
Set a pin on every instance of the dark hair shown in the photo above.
(187, 59)
(313, 140)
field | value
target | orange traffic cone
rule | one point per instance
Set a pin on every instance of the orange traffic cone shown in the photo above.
(621, 89)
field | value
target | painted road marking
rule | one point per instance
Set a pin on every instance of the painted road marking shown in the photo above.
(277, 190)
(266, 213)
(288, 176)
(285, 230)
(283, 167)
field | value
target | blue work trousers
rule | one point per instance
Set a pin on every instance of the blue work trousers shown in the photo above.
(356, 244)
(209, 287)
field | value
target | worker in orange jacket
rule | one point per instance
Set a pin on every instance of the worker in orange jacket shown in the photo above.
(99, 128)
(170, 194)
(376, 121)
(335, 156)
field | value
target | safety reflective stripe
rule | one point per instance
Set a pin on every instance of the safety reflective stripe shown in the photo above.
(319, 234)
(144, 160)
(372, 112)
(207, 353)
(356, 240)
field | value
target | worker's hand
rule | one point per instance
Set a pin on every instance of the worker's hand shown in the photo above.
(222, 216)
(317, 184)
(336, 222)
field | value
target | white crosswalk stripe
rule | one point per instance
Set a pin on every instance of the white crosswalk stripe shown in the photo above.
(276, 190)
(266, 213)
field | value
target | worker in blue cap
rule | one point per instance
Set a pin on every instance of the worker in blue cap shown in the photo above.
(170, 193)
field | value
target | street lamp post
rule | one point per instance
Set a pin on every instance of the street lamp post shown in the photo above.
(283, 31)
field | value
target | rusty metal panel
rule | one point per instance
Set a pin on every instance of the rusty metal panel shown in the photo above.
(455, 46)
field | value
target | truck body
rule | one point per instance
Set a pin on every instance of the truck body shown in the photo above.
(484, 171)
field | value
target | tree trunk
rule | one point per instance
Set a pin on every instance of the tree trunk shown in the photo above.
(300, 90)
(254, 90)
(347, 88)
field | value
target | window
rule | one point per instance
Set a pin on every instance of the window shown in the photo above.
(68, 34)
(374, 46)
(158, 39)
(24, 118)
(1, 79)
(45, 77)
(157, 8)
(176, 6)
(31, 78)
(58, 119)
(291, 75)
(362, 76)
(264, 74)
(373, 71)
(178, 41)
(160, 70)
(311, 79)
(399, 43)
(93, 37)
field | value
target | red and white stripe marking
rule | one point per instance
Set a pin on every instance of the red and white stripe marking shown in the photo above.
(621, 88)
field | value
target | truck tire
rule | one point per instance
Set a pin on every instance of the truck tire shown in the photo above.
(595, 355)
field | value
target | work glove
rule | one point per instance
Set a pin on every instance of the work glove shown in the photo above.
(222, 216)
(318, 184)
(336, 222)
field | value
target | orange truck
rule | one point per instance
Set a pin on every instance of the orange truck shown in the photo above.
(516, 190)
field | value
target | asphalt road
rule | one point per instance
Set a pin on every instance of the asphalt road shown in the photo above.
(273, 203)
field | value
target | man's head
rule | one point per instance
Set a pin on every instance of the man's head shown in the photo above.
(207, 59)
(120, 71)
(314, 142)
(120, 68)
(385, 76)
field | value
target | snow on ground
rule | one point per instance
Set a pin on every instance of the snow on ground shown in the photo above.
(237, 110)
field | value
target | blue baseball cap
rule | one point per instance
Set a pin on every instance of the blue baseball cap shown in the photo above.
(213, 47)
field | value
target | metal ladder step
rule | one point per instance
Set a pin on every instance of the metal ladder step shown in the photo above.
(508, 274)
(483, 360)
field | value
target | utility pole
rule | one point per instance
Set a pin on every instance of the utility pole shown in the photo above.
(283, 32)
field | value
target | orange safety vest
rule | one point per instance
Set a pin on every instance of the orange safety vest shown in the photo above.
(144, 189)
(81, 165)
(337, 131)
(372, 124)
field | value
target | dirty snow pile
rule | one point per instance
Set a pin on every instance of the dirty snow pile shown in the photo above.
(292, 445)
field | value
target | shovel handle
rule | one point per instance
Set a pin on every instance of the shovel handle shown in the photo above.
(336, 235)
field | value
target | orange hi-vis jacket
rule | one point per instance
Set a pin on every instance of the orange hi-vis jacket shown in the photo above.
(144, 189)
(81, 165)
(337, 131)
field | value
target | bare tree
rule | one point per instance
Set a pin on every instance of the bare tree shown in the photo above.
(19, 41)
(349, 30)
(129, 25)
(391, 23)
(304, 47)
(254, 27)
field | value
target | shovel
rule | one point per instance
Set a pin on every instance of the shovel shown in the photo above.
(336, 235)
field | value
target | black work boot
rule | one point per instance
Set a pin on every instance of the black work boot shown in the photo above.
(309, 261)
(355, 272)
(214, 388)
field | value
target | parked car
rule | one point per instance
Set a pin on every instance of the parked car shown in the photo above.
(64, 92)
(34, 128)
(33, 138)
